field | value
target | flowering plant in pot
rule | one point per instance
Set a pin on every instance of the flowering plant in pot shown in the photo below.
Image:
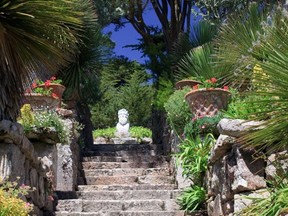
(45, 94)
(207, 99)
(52, 84)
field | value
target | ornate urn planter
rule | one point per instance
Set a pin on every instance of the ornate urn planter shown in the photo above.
(207, 102)
(40, 102)
(186, 82)
(57, 89)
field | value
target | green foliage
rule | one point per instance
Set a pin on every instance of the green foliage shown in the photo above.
(247, 107)
(193, 157)
(219, 10)
(275, 204)
(202, 125)
(135, 132)
(27, 117)
(192, 198)
(124, 84)
(272, 48)
(197, 63)
(10, 199)
(234, 45)
(41, 37)
(178, 111)
(106, 133)
(46, 119)
(140, 132)
(163, 93)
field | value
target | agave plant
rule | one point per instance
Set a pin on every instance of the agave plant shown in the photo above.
(36, 37)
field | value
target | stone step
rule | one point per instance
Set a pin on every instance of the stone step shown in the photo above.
(144, 158)
(91, 153)
(127, 171)
(128, 195)
(133, 180)
(126, 187)
(123, 213)
(115, 165)
(78, 205)
(122, 147)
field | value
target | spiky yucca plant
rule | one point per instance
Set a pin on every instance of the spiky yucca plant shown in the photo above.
(36, 37)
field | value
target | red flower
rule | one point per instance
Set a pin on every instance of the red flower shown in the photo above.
(226, 88)
(195, 87)
(47, 83)
(53, 78)
(213, 80)
(34, 85)
(54, 95)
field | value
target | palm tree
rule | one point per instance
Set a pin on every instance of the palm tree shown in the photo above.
(257, 37)
(36, 38)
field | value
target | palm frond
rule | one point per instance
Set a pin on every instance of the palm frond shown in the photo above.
(273, 48)
(234, 45)
(36, 37)
(196, 63)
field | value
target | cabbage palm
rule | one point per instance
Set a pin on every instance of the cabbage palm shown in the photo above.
(37, 37)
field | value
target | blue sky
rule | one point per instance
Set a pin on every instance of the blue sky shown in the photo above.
(128, 36)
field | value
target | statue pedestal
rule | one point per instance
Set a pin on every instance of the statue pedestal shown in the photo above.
(125, 140)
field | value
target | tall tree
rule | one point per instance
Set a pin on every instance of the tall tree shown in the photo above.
(36, 37)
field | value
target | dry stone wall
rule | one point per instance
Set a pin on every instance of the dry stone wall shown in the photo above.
(236, 173)
(45, 165)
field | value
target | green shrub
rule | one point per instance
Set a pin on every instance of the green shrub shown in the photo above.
(106, 133)
(192, 198)
(202, 125)
(178, 111)
(135, 132)
(246, 107)
(140, 132)
(10, 202)
(193, 157)
(276, 204)
(46, 119)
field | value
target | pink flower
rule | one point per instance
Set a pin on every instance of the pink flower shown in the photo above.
(34, 85)
(54, 95)
(47, 83)
(213, 80)
(203, 126)
(226, 88)
(195, 87)
(53, 78)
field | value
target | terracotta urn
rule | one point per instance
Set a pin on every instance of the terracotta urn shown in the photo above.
(40, 102)
(186, 82)
(57, 89)
(207, 102)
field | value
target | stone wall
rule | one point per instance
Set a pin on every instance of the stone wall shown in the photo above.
(235, 173)
(42, 163)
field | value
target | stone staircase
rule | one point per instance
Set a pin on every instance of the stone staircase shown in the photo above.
(123, 180)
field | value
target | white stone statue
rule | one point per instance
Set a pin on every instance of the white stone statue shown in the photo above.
(122, 127)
